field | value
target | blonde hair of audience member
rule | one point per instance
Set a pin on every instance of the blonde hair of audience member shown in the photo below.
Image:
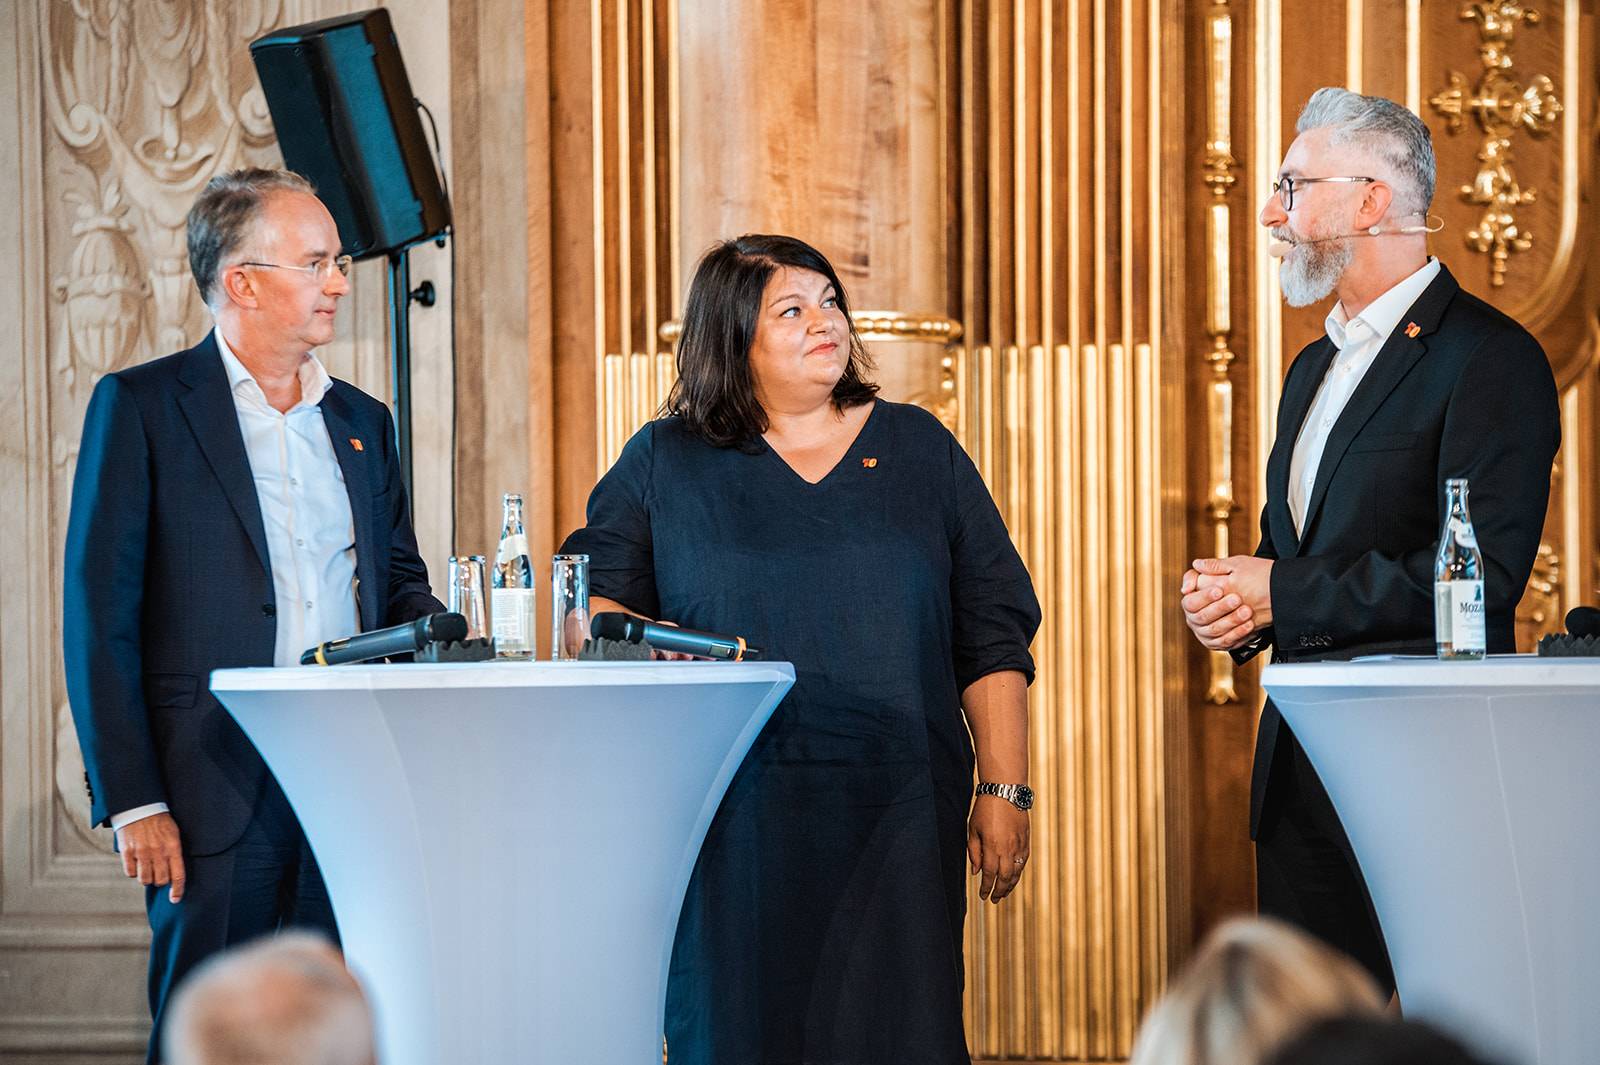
(287, 1000)
(1255, 983)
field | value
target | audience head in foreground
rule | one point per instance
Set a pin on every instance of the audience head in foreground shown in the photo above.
(287, 1000)
(1373, 1041)
(1255, 983)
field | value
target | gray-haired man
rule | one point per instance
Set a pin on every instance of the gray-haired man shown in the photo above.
(1415, 382)
(232, 505)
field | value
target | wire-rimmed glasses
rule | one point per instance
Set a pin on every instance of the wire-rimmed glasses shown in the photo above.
(1285, 186)
(321, 270)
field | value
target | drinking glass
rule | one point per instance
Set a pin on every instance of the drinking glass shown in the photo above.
(569, 606)
(466, 593)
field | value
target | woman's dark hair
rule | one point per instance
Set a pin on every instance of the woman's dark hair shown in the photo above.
(715, 394)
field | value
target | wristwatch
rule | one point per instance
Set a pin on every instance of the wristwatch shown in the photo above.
(1018, 795)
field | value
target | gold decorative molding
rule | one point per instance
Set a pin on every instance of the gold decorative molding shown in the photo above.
(1502, 107)
(1218, 174)
(898, 325)
(872, 325)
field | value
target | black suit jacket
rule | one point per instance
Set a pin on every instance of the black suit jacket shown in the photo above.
(1469, 395)
(167, 579)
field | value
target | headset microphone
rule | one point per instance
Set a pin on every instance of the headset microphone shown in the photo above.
(1431, 224)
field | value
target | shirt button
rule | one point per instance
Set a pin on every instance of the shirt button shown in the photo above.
(309, 604)
(295, 481)
(300, 543)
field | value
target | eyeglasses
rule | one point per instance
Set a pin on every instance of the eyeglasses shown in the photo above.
(1285, 187)
(321, 270)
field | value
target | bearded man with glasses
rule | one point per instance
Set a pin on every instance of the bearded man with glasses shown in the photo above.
(232, 505)
(1415, 382)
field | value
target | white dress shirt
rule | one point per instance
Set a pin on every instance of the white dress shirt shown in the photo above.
(1359, 340)
(306, 513)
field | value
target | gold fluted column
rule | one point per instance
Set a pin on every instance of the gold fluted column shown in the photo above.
(1066, 401)
(1218, 170)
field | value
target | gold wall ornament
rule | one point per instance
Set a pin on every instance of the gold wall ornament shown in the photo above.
(1502, 107)
(1218, 174)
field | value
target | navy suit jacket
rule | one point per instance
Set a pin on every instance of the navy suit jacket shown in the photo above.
(167, 579)
(1458, 390)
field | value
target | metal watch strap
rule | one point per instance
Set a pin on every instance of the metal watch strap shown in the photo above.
(1011, 793)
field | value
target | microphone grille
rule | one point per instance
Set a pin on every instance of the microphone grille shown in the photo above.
(447, 627)
(612, 625)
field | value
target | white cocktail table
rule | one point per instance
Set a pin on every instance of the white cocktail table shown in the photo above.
(507, 844)
(1471, 795)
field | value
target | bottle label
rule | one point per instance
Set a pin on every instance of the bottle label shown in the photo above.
(1458, 610)
(511, 547)
(513, 620)
(1462, 531)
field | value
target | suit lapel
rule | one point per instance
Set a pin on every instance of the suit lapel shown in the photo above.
(342, 431)
(1296, 405)
(1395, 359)
(208, 407)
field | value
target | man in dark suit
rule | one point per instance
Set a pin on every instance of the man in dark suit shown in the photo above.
(1416, 382)
(232, 505)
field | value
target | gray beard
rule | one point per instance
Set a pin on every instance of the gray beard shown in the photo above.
(1309, 273)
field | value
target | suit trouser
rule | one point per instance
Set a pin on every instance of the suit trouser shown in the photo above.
(1306, 870)
(265, 882)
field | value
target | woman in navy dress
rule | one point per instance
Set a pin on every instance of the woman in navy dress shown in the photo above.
(852, 537)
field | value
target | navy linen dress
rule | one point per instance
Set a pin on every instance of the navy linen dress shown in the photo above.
(823, 921)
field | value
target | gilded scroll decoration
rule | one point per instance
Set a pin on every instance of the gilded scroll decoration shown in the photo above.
(1219, 177)
(1502, 107)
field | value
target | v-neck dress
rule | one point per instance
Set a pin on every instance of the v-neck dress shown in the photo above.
(823, 921)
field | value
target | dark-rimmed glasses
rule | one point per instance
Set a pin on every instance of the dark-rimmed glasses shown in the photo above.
(321, 270)
(1285, 187)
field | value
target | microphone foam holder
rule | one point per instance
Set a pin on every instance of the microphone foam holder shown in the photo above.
(601, 649)
(479, 650)
(1563, 645)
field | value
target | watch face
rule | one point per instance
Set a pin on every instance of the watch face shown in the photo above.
(1024, 797)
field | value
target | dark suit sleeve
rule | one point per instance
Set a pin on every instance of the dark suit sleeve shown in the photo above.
(1501, 431)
(409, 596)
(1259, 641)
(103, 596)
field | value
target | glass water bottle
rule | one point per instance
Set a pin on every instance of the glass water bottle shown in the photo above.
(1458, 606)
(513, 595)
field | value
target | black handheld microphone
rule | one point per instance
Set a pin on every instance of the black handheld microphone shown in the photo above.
(613, 625)
(404, 639)
(1583, 621)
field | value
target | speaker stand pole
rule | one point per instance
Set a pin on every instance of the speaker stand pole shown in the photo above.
(400, 361)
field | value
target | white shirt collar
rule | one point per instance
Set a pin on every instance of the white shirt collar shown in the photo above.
(1384, 313)
(314, 378)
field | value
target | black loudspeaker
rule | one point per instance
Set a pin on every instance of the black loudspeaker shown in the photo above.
(346, 119)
